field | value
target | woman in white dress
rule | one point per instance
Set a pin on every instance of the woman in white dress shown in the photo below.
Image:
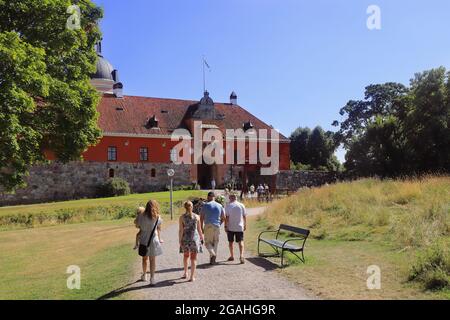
(146, 223)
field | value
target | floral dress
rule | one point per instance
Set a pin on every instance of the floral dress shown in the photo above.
(190, 242)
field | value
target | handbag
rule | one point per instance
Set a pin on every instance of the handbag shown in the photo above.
(144, 248)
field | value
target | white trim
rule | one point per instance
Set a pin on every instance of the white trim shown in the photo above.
(136, 135)
(209, 126)
(168, 136)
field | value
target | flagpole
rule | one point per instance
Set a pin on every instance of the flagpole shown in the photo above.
(204, 82)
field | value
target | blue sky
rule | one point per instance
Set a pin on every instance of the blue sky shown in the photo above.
(291, 62)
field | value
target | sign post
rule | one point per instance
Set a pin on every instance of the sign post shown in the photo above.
(171, 173)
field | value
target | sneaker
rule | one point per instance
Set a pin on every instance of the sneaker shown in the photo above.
(212, 260)
(230, 259)
(152, 281)
(242, 260)
(144, 277)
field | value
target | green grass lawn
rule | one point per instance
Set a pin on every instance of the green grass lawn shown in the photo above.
(34, 261)
(132, 200)
(401, 226)
(29, 216)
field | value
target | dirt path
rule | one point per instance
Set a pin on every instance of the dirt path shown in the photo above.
(256, 279)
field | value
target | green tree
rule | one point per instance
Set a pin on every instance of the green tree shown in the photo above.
(397, 130)
(46, 99)
(379, 151)
(314, 149)
(299, 145)
(379, 100)
(372, 132)
(428, 121)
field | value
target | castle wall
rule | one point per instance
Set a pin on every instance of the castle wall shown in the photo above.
(75, 180)
(296, 179)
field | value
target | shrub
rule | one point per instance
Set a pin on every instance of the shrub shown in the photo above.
(114, 187)
(432, 267)
(181, 187)
(124, 212)
(221, 199)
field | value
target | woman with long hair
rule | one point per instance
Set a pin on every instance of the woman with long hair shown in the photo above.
(191, 238)
(149, 224)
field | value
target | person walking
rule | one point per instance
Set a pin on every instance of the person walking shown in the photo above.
(260, 191)
(226, 194)
(235, 225)
(252, 190)
(211, 218)
(213, 184)
(149, 224)
(191, 239)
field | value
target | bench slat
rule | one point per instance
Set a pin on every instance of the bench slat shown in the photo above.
(301, 231)
(279, 244)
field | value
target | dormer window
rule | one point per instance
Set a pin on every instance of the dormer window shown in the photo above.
(248, 125)
(152, 122)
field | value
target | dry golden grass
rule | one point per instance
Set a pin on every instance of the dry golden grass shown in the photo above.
(357, 224)
(405, 213)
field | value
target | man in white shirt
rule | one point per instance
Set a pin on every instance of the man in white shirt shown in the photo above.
(235, 225)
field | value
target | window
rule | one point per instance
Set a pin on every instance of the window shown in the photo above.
(112, 154)
(152, 122)
(153, 173)
(143, 154)
(173, 155)
(111, 173)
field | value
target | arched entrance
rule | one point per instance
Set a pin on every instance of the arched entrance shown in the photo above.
(205, 174)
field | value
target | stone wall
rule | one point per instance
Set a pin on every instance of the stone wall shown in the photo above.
(294, 179)
(75, 180)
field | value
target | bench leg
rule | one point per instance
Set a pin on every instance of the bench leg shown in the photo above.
(302, 258)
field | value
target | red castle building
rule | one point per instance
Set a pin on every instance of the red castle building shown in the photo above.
(138, 130)
(137, 145)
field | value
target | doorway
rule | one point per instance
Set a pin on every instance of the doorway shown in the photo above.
(205, 173)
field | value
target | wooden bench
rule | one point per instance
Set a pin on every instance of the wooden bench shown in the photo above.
(285, 244)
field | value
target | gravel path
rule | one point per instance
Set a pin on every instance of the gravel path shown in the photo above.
(256, 279)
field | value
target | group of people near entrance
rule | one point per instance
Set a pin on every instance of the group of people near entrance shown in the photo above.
(194, 232)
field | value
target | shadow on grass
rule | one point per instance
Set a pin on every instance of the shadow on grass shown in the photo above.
(134, 287)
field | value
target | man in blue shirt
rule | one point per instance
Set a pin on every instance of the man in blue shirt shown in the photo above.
(212, 216)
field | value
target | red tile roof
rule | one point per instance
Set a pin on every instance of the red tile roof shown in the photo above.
(130, 114)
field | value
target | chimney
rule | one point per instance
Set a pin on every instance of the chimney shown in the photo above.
(233, 98)
(118, 89)
(115, 75)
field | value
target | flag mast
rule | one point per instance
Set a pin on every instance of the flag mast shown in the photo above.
(204, 63)
(204, 81)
